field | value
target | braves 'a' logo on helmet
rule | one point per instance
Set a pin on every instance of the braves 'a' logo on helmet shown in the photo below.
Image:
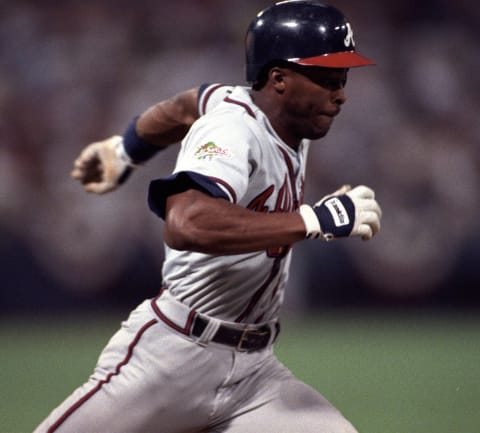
(306, 32)
(349, 38)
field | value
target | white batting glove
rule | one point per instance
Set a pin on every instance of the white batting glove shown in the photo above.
(102, 166)
(346, 212)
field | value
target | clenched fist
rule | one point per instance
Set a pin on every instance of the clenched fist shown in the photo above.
(346, 212)
(102, 166)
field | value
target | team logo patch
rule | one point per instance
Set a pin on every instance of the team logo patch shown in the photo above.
(210, 150)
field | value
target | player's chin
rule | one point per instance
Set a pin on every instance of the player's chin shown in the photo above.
(321, 127)
(318, 132)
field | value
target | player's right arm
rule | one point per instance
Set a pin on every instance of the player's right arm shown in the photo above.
(104, 165)
(167, 122)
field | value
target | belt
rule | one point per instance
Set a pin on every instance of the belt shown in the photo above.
(179, 317)
(244, 340)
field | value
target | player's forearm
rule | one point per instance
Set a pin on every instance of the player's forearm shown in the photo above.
(196, 222)
(104, 165)
(168, 121)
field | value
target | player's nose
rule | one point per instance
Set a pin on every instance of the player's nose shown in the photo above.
(338, 96)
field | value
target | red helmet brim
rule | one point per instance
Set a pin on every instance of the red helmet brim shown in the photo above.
(345, 59)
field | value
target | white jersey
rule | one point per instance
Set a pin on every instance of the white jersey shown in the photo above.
(177, 371)
(234, 146)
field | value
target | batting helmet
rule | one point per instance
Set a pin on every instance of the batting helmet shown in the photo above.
(305, 32)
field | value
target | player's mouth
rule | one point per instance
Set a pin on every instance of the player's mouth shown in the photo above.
(333, 113)
(329, 115)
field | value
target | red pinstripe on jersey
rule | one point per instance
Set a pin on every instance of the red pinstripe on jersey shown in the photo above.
(207, 95)
(242, 104)
(227, 187)
(277, 253)
(291, 174)
(258, 294)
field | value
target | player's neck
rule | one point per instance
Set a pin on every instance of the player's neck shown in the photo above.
(283, 131)
(276, 117)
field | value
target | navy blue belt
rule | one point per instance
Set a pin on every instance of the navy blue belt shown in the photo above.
(246, 340)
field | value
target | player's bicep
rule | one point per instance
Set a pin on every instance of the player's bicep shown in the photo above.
(169, 121)
(191, 220)
(187, 106)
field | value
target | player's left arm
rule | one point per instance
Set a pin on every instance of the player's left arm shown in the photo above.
(104, 165)
(196, 221)
(199, 216)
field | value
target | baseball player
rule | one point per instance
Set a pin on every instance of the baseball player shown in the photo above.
(199, 357)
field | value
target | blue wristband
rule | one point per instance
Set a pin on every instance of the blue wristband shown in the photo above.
(136, 147)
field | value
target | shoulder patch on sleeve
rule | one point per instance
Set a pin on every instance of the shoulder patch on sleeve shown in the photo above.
(211, 151)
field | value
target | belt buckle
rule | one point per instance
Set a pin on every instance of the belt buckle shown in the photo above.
(239, 347)
(243, 338)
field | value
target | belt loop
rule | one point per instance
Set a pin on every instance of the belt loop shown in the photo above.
(209, 331)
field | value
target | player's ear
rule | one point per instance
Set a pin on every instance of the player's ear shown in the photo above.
(277, 78)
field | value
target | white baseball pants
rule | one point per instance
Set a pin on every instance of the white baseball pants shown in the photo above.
(152, 379)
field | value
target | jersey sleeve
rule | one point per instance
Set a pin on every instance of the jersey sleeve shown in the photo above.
(217, 157)
(160, 189)
(210, 95)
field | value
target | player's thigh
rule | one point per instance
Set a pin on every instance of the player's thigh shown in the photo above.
(147, 376)
(297, 408)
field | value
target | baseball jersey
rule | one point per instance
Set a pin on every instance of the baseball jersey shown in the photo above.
(232, 152)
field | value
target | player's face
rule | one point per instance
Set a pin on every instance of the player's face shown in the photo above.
(315, 96)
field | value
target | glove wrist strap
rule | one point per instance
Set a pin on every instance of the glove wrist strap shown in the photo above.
(312, 225)
(336, 216)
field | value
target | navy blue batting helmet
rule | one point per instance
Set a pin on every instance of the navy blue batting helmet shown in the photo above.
(305, 32)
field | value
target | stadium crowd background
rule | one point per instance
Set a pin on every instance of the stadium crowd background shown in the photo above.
(74, 72)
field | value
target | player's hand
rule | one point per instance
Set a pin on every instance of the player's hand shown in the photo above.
(102, 166)
(368, 212)
(346, 212)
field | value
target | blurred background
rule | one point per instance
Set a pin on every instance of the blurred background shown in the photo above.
(75, 72)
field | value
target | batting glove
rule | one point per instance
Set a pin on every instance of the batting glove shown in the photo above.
(103, 166)
(346, 212)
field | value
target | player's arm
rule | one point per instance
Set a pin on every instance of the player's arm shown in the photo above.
(168, 121)
(103, 165)
(195, 221)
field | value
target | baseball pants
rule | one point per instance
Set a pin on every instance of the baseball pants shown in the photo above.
(151, 378)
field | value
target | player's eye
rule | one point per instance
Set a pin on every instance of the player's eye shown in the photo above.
(332, 84)
(328, 79)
